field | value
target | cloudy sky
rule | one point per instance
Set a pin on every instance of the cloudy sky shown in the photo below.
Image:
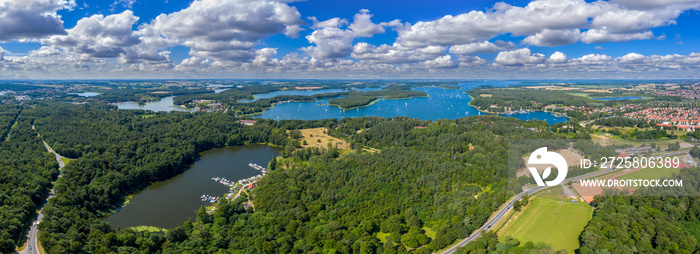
(541, 39)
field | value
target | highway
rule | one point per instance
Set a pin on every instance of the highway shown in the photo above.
(33, 238)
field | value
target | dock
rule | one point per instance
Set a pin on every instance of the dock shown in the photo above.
(240, 185)
(210, 199)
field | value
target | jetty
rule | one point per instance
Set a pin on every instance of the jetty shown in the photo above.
(210, 199)
(258, 167)
(224, 181)
(240, 185)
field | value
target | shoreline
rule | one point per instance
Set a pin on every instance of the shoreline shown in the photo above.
(507, 115)
(477, 108)
(375, 101)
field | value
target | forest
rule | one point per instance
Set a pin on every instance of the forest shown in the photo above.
(418, 187)
(650, 221)
(26, 172)
(315, 203)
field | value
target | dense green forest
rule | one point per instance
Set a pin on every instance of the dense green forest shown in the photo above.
(26, 172)
(652, 221)
(8, 117)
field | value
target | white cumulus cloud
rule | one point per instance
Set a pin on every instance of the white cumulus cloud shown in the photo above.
(552, 38)
(557, 57)
(332, 41)
(99, 36)
(31, 19)
(481, 47)
(225, 29)
(519, 57)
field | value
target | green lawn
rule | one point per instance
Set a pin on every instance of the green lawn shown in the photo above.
(650, 173)
(382, 237)
(66, 160)
(550, 221)
(429, 232)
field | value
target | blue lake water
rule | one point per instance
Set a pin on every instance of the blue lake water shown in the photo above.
(618, 98)
(86, 94)
(165, 104)
(441, 104)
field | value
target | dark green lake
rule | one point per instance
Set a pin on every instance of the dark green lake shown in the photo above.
(169, 203)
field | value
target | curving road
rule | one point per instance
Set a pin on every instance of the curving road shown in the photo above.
(33, 238)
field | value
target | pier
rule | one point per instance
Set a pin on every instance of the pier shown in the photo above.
(210, 199)
(241, 185)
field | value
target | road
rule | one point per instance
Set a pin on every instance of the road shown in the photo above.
(33, 238)
(505, 209)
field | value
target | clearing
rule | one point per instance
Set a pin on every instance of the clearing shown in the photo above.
(312, 136)
(564, 222)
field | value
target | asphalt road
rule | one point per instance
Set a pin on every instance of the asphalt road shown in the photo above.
(33, 238)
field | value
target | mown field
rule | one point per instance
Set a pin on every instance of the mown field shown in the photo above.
(550, 221)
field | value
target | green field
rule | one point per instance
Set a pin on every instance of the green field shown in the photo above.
(650, 173)
(550, 221)
(66, 161)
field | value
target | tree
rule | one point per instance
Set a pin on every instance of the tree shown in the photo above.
(517, 205)
(674, 146)
(525, 200)
(695, 152)
(272, 165)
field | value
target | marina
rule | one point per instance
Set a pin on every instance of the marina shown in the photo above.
(210, 199)
(247, 183)
(169, 203)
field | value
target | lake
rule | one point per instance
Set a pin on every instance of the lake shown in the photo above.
(164, 104)
(308, 92)
(86, 94)
(618, 98)
(170, 203)
(441, 104)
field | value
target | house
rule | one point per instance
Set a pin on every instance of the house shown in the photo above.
(248, 122)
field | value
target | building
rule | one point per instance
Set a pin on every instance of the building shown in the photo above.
(248, 122)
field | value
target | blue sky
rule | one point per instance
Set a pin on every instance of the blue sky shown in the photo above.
(349, 39)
